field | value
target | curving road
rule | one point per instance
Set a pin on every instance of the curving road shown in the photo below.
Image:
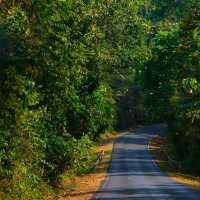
(134, 176)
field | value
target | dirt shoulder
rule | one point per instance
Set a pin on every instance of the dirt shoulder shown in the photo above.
(155, 146)
(85, 186)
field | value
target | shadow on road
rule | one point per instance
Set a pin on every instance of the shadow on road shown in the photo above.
(134, 176)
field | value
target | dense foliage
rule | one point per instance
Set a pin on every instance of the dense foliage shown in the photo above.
(58, 59)
(171, 81)
(70, 70)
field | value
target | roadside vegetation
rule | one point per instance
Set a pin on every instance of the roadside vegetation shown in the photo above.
(85, 186)
(171, 82)
(59, 60)
(164, 158)
(73, 70)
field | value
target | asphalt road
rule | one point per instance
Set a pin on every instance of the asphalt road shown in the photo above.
(134, 176)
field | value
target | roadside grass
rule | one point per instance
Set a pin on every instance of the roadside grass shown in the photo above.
(157, 146)
(84, 185)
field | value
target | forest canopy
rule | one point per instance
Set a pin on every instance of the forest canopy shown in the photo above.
(72, 70)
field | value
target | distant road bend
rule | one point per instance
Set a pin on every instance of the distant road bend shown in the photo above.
(134, 176)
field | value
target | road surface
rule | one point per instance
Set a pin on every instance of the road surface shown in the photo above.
(134, 176)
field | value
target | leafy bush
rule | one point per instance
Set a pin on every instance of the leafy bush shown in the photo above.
(172, 86)
(57, 62)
